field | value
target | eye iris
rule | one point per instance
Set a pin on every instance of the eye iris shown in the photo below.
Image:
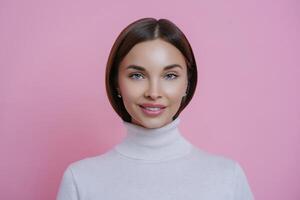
(171, 76)
(136, 76)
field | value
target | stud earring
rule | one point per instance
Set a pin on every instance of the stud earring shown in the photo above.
(119, 95)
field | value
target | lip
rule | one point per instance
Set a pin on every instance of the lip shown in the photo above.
(152, 105)
(152, 113)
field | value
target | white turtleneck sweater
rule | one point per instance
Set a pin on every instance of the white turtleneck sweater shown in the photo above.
(155, 164)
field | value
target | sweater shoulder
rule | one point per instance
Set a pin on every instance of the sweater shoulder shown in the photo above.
(93, 162)
(213, 161)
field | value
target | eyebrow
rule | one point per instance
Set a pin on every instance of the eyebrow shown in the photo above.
(143, 69)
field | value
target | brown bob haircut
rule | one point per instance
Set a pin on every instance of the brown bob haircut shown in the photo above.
(141, 30)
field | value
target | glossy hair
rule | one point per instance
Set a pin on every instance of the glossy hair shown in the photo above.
(141, 30)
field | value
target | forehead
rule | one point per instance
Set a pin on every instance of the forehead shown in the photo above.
(154, 54)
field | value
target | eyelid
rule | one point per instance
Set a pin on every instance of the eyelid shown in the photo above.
(172, 72)
(134, 74)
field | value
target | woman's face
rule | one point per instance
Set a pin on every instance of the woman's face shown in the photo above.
(152, 81)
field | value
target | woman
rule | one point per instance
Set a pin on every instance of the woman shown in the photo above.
(151, 77)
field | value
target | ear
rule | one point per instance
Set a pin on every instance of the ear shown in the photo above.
(118, 90)
(187, 87)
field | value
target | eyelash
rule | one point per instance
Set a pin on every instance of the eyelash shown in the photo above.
(132, 75)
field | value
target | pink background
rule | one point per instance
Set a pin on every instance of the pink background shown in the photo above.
(54, 109)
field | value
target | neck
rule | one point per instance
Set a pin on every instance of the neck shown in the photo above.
(156, 144)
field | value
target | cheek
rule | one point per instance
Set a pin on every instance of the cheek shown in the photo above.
(129, 90)
(175, 91)
(129, 95)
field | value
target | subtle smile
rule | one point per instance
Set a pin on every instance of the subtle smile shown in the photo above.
(152, 111)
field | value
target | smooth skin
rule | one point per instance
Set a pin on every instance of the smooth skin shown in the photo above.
(151, 83)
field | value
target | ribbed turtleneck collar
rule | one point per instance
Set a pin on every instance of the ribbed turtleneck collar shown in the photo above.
(155, 144)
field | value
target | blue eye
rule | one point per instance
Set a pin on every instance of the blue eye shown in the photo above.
(135, 76)
(138, 76)
(171, 76)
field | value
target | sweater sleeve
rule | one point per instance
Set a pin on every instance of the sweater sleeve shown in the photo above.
(242, 188)
(67, 189)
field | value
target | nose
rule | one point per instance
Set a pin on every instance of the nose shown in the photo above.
(153, 90)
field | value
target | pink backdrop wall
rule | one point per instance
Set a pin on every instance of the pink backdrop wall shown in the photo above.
(54, 110)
